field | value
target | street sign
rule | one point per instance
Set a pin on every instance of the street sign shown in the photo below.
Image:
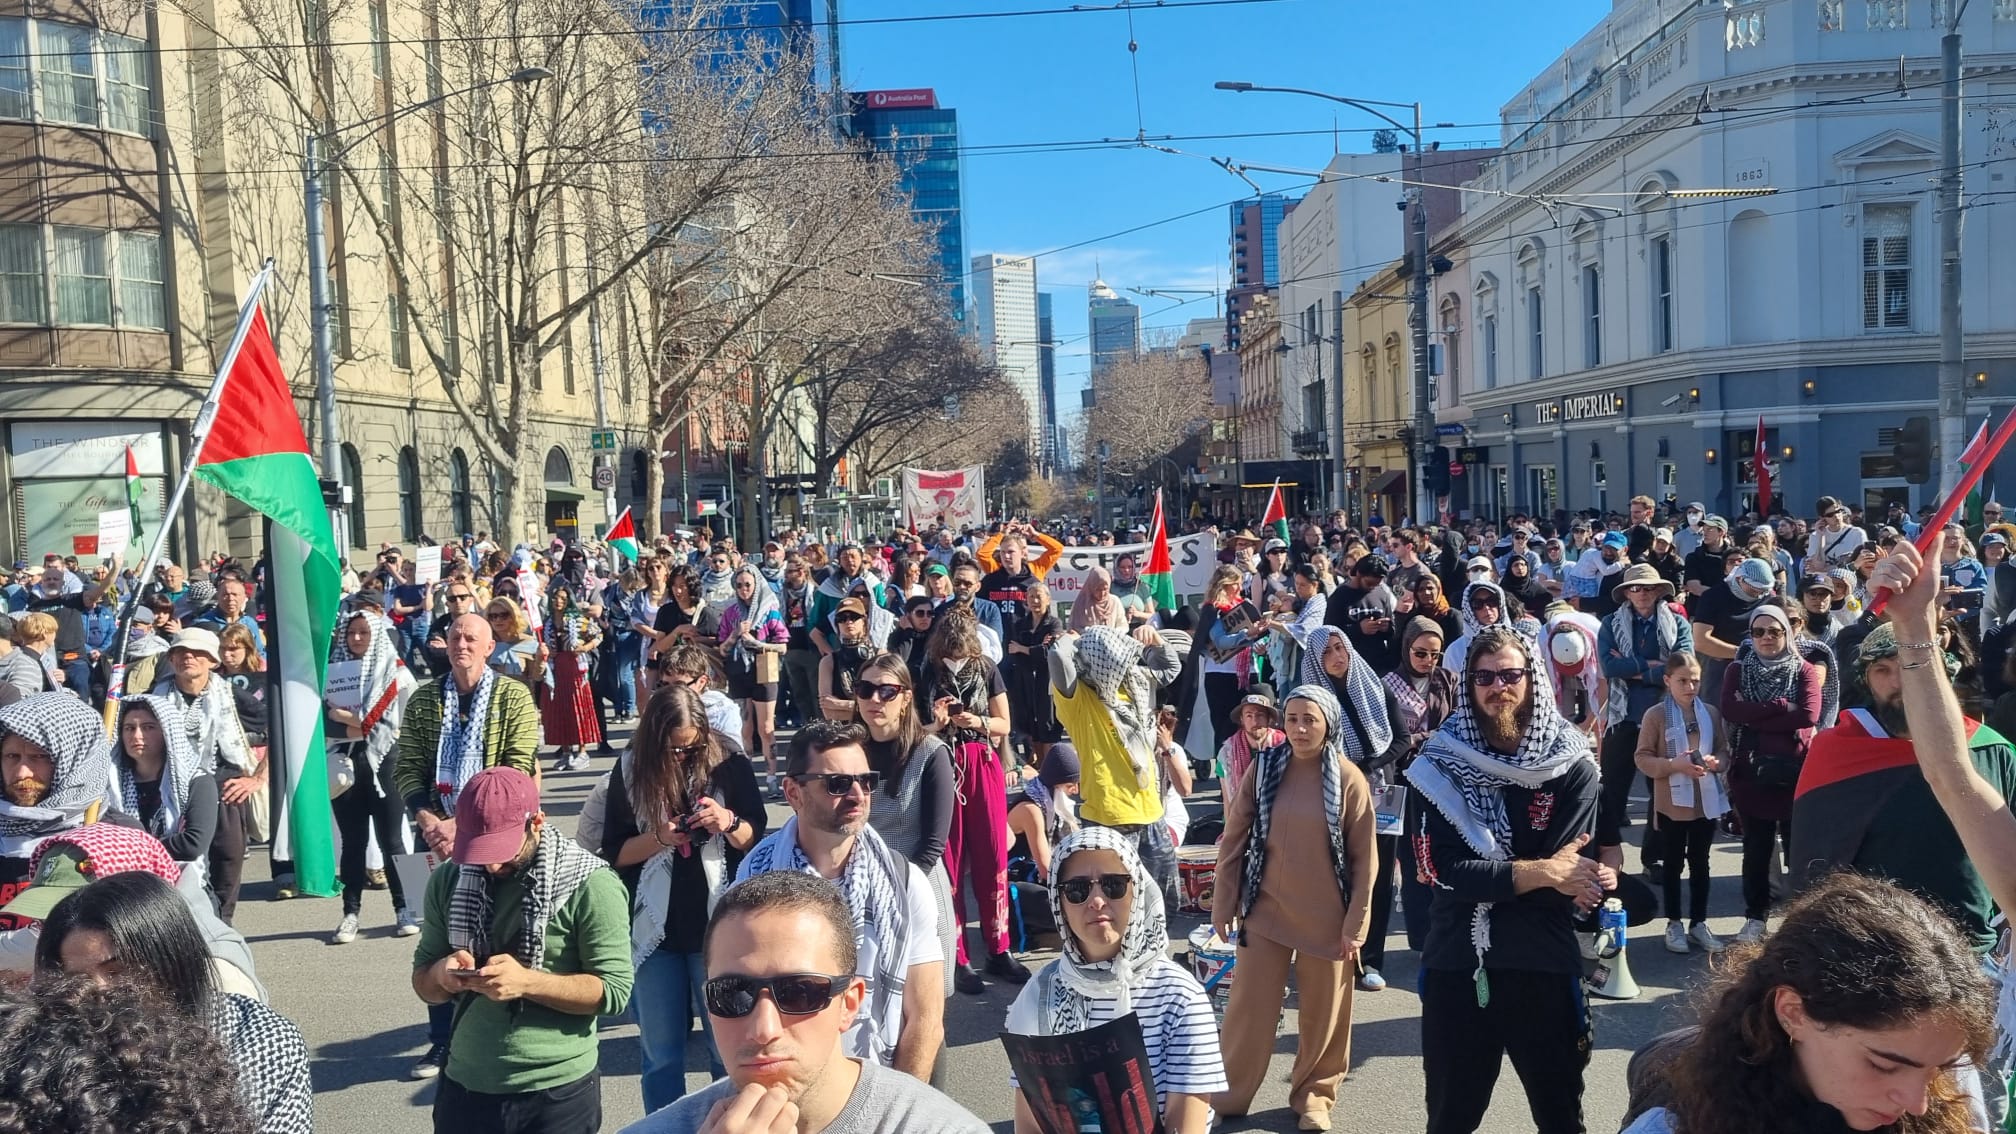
(602, 440)
(1446, 430)
(605, 477)
(1455, 468)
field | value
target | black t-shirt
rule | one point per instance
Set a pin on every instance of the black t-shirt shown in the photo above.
(1724, 612)
(68, 611)
(1707, 567)
(1010, 592)
(973, 688)
(670, 618)
(733, 785)
(797, 613)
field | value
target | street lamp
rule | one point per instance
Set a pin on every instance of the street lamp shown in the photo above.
(1417, 317)
(313, 164)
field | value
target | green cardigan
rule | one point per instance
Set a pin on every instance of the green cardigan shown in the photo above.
(510, 737)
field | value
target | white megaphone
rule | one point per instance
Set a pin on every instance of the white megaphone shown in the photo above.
(1611, 978)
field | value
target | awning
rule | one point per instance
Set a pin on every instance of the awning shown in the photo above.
(562, 492)
(1392, 482)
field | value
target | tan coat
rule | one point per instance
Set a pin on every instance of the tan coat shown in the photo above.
(1653, 759)
(1299, 905)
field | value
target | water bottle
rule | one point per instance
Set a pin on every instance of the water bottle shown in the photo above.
(1610, 927)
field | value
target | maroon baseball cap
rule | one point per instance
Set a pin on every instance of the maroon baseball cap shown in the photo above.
(491, 815)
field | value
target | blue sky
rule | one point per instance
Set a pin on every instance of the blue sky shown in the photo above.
(1057, 78)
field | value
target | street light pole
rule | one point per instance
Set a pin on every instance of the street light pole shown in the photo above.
(1105, 454)
(321, 335)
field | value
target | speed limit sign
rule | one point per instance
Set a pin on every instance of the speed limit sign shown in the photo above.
(605, 477)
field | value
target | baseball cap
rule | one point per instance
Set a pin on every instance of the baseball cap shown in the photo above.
(491, 815)
(1715, 522)
(937, 569)
(851, 603)
(1616, 539)
(1478, 564)
(1662, 533)
(199, 640)
(1994, 537)
(1275, 544)
(80, 856)
(1813, 582)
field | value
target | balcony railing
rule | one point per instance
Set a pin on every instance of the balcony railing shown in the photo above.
(1307, 442)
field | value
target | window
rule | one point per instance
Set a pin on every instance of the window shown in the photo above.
(127, 105)
(381, 47)
(1886, 268)
(395, 319)
(1592, 315)
(83, 277)
(1487, 346)
(142, 299)
(1662, 294)
(22, 287)
(1536, 341)
(461, 510)
(353, 476)
(410, 523)
(13, 69)
(69, 82)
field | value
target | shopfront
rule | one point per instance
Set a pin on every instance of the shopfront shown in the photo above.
(63, 474)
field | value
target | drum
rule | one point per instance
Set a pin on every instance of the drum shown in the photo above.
(1211, 958)
(1196, 869)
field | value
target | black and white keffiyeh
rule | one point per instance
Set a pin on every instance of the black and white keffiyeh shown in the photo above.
(459, 754)
(1464, 781)
(1072, 982)
(272, 1062)
(557, 870)
(74, 737)
(761, 607)
(1109, 661)
(1677, 720)
(211, 721)
(1364, 689)
(1272, 765)
(1471, 626)
(1666, 627)
(178, 767)
(382, 673)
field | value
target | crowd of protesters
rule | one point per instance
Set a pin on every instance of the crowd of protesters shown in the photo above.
(1448, 719)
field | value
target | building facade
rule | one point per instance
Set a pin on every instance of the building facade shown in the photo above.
(1114, 327)
(923, 139)
(1256, 258)
(1046, 337)
(1378, 397)
(1005, 324)
(1622, 332)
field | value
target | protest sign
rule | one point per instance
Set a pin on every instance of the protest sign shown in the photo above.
(954, 498)
(1193, 558)
(1096, 1080)
(115, 532)
(427, 565)
(343, 688)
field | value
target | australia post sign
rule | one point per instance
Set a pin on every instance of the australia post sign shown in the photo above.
(954, 498)
(917, 98)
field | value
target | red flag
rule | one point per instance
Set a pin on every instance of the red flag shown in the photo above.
(1160, 575)
(1760, 464)
(1277, 515)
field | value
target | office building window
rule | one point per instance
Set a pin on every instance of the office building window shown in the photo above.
(128, 105)
(1536, 341)
(1592, 317)
(1886, 268)
(83, 277)
(1662, 294)
(142, 298)
(22, 286)
(69, 82)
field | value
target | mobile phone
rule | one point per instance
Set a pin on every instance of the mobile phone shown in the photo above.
(461, 972)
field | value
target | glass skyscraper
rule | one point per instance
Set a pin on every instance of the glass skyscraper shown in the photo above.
(923, 139)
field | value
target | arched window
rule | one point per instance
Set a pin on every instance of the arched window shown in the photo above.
(1451, 319)
(558, 469)
(461, 510)
(409, 495)
(353, 475)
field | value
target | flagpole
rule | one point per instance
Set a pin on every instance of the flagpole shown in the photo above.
(199, 434)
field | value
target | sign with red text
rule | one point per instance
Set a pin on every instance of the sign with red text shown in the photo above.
(954, 498)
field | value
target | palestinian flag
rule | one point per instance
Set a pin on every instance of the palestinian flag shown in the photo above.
(1984, 489)
(249, 444)
(1275, 522)
(134, 490)
(1159, 576)
(623, 536)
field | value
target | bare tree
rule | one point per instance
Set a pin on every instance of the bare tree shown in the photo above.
(1145, 407)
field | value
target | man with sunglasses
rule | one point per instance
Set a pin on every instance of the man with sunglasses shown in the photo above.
(1633, 644)
(1502, 971)
(527, 936)
(458, 598)
(828, 784)
(782, 995)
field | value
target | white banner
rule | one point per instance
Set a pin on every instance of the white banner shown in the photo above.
(954, 498)
(427, 565)
(1192, 558)
(115, 532)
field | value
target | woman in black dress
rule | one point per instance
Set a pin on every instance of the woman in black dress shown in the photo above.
(1025, 668)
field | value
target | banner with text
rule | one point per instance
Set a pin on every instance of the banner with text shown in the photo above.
(1192, 557)
(954, 498)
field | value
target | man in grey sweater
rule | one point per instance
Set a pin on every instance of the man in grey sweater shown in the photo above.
(778, 1021)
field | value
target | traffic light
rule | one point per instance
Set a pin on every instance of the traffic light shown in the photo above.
(1436, 468)
(1913, 450)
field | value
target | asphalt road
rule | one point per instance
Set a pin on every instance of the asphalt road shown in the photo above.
(365, 1027)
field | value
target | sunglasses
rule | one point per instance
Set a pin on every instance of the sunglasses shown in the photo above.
(795, 994)
(461, 596)
(1112, 887)
(877, 691)
(1767, 632)
(849, 616)
(1486, 678)
(1640, 589)
(687, 751)
(838, 784)
(1426, 655)
(496, 614)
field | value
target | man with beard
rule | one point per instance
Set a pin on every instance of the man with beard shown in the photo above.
(850, 566)
(828, 785)
(56, 775)
(1134, 598)
(1508, 799)
(1862, 803)
(1704, 565)
(67, 607)
(1721, 620)
(1308, 544)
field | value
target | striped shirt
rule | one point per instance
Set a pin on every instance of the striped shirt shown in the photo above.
(510, 736)
(1177, 1026)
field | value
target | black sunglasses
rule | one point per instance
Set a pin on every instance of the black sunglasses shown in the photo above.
(734, 996)
(877, 691)
(838, 784)
(846, 616)
(1078, 891)
(1485, 678)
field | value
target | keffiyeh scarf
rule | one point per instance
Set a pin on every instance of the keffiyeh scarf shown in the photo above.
(1623, 620)
(1676, 728)
(75, 740)
(762, 607)
(458, 755)
(211, 720)
(383, 673)
(178, 767)
(1108, 661)
(1071, 983)
(557, 870)
(1364, 689)
(1267, 785)
(1465, 782)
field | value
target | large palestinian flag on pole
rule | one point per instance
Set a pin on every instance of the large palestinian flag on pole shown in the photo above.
(253, 448)
(1159, 577)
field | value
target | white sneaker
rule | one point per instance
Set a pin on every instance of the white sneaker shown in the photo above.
(1371, 981)
(408, 924)
(1703, 936)
(1676, 937)
(1752, 931)
(346, 930)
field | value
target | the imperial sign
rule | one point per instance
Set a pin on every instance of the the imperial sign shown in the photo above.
(1585, 407)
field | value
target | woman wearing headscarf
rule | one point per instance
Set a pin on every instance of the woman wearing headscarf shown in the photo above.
(1484, 605)
(1427, 601)
(1096, 604)
(753, 639)
(1771, 700)
(572, 637)
(365, 732)
(1299, 795)
(1525, 588)
(57, 774)
(1115, 961)
(1371, 737)
(161, 782)
(1425, 693)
